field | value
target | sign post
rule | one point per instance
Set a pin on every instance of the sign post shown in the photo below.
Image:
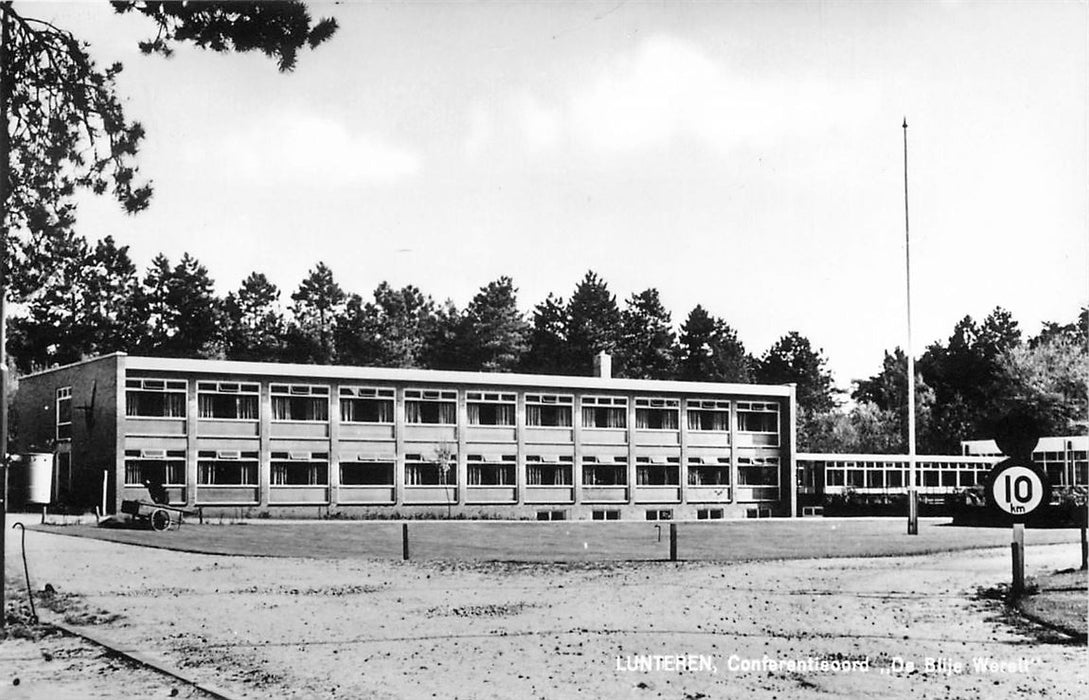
(1016, 488)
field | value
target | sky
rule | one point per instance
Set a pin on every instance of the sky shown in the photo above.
(748, 157)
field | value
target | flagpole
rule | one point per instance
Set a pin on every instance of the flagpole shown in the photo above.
(913, 493)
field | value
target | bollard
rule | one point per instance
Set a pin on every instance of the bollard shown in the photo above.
(1084, 550)
(673, 541)
(1017, 547)
(404, 541)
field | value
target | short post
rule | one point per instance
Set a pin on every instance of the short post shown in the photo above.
(404, 541)
(1018, 550)
(1084, 550)
(673, 541)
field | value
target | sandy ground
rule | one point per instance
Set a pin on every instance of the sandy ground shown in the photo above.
(298, 627)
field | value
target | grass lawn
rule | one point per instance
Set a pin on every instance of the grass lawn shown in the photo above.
(732, 540)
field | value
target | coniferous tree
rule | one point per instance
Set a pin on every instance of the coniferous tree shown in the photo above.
(496, 335)
(255, 324)
(593, 324)
(792, 359)
(548, 351)
(318, 304)
(180, 311)
(646, 346)
(710, 351)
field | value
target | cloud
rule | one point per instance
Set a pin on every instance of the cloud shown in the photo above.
(662, 93)
(297, 148)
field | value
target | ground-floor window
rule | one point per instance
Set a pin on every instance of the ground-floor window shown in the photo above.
(654, 471)
(369, 473)
(227, 469)
(300, 469)
(764, 471)
(660, 514)
(166, 467)
(421, 472)
(541, 471)
(709, 514)
(606, 514)
(491, 471)
(605, 471)
(708, 471)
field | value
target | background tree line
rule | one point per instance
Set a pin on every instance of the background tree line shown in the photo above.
(82, 300)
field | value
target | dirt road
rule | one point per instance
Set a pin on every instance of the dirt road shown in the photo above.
(295, 627)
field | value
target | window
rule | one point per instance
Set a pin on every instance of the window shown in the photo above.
(490, 470)
(709, 471)
(756, 417)
(551, 515)
(657, 414)
(300, 402)
(227, 400)
(366, 405)
(856, 478)
(64, 413)
(548, 471)
(549, 410)
(166, 467)
(604, 471)
(759, 471)
(490, 409)
(604, 412)
(606, 514)
(833, 477)
(709, 415)
(155, 398)
(709, 514)
(300, 469)
(226, 468)
(930, 477)
(437, 472)
(657, 471)
(949, 477)
(894, 478)
(64, 476)
(660, 514)
(431, 407)
(875, 478)
(371, 472)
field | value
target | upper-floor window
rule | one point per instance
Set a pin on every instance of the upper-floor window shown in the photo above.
(431, 407)
(229, 400)
(604, 412)
(155, 398)
(490, 409)
(757, 417)
(708, 415)
(549, 410)
(226, 468)
(366, 405)
(300, 402)
(657, 413)
(64, 413)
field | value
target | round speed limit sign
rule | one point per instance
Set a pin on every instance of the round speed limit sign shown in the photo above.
(1017, 489)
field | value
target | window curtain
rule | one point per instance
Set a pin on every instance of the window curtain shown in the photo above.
(317, 410)
(246, 407)
(563, 416)
(504, 414)
(474, 414)
(413, 412)
(206, 405)
(132, 406)
(281, 408)
(448, 413)
(174, 405)
(589, 417)
(533, 415)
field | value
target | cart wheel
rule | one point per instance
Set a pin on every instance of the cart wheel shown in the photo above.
(160, 520)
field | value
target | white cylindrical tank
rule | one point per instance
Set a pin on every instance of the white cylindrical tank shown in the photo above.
(39, 477)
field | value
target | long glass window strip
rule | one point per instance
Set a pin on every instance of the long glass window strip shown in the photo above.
(608, 471)
(300, 402)
(604, 412)
(431, 407)
(708, 415)
(64, 413)
(655, 473)
(227, 400)
(541, 472)
(367, 473)
(166, 467)
(759, 471)
(424, 472)
(757, 417)
(657, 413)
(484, 471)
(299, 469)
(486, 408)
(155, 398)
(226, 468)
(366, 405)
(549, 410)
(709, 471)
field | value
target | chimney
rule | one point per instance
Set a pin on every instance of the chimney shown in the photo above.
(603, 365)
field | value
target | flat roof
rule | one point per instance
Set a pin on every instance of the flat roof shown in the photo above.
(389, 374)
